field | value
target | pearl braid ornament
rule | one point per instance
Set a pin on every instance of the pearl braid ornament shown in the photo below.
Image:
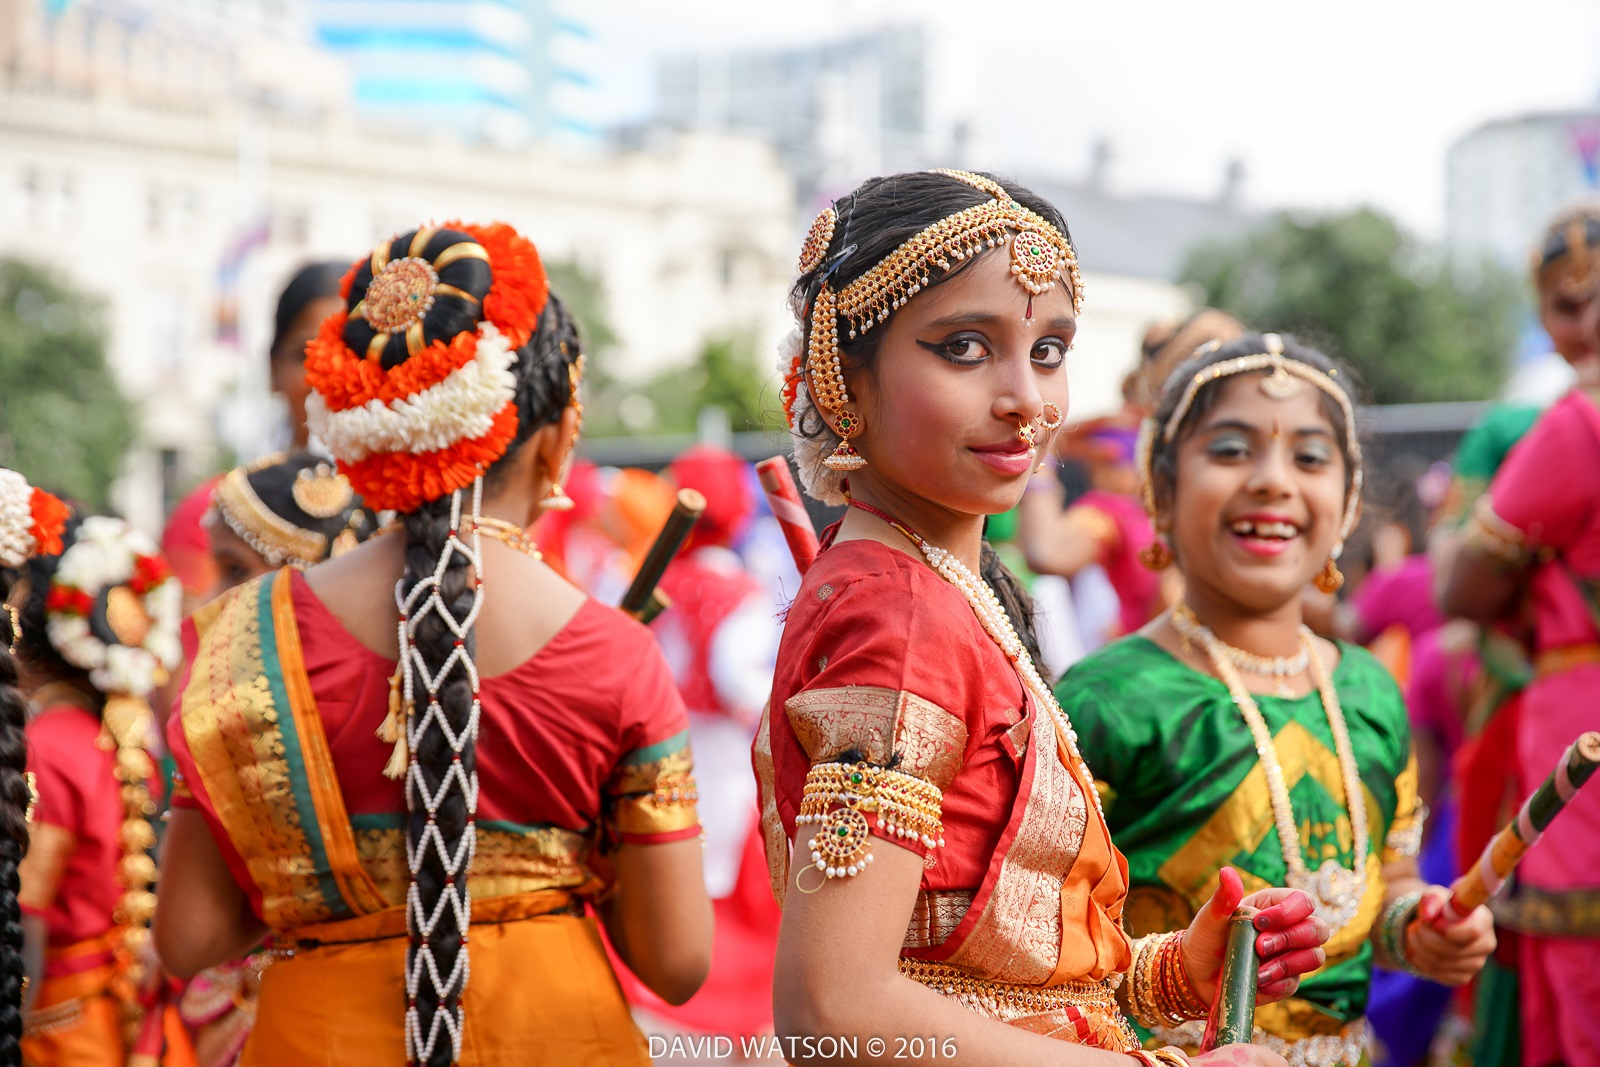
(1336, 891)
(992, 616)
(455, 902)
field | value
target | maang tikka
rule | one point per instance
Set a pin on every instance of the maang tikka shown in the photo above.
(1040, 256)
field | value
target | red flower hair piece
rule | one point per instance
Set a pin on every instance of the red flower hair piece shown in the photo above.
(49, 522)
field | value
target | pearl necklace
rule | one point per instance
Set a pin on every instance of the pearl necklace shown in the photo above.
(1336, 891)
(992, 616)
(1280, 668)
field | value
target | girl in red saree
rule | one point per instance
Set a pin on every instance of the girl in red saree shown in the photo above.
(434, 900)
(933, 834)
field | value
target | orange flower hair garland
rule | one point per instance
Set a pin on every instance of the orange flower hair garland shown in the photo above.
(434, 422)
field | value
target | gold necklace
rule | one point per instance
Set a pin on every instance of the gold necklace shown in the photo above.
(1336, 891)
(1278, 668)
(509, 533)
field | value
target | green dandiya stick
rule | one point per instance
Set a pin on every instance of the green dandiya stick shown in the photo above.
(1502, 855)
(1233, 1012)
(643, 600)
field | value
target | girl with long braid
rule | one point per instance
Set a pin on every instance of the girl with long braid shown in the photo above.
(433, 899)
(99, 634)
(31, 522)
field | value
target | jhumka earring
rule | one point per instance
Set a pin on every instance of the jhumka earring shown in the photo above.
(845, 457)
(1156, 556)
(1051, 422)
(557, 499)
(1330, 579)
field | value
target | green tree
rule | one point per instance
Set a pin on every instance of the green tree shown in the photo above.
(63, 421)
(1415, 325)
(725, 375)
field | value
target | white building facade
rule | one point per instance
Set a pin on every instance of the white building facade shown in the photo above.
(1508, 177)
(139, 158)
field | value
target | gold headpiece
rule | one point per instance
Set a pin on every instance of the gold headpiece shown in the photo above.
(1040, 254)
(278, 540)
(817, 240)
(321, 491)
(1285, 378)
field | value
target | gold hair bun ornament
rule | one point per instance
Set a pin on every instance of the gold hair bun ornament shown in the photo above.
(400, 295)
(273, 537)
(815, 248)
(321, 491)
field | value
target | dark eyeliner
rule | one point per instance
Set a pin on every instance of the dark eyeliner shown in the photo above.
(939, 348)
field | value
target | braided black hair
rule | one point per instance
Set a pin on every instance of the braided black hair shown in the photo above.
(13, 837)
(542, 392)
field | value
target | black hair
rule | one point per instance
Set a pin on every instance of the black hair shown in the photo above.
(274, 484)
(878, 217)
(314, 281)
(13, 834)
(449, 315)
(1164, 453)
(543, 391)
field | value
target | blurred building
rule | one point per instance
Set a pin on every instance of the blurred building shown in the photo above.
(508, 71)
(1506, 178)
(181, 164)
(833, 111)
(1132, 249)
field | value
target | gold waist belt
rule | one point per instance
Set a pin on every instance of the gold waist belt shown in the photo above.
(1565, 658)
(1094, 1003)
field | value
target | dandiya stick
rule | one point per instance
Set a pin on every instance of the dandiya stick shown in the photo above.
(1501, 856)
(783, 496)
(1233, 1012)
(643, 600)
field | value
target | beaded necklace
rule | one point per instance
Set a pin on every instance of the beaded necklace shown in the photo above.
(1334, 889)
(992, 616)
(1278, 668)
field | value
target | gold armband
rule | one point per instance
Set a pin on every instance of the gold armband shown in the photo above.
(1159, 990)
(837, 800)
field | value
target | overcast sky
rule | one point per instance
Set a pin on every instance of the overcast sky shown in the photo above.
(1327, 104)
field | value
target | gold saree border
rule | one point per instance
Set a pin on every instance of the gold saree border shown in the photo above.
(360, 894)
(505, 862)
(1016, 935)
(230, 722)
